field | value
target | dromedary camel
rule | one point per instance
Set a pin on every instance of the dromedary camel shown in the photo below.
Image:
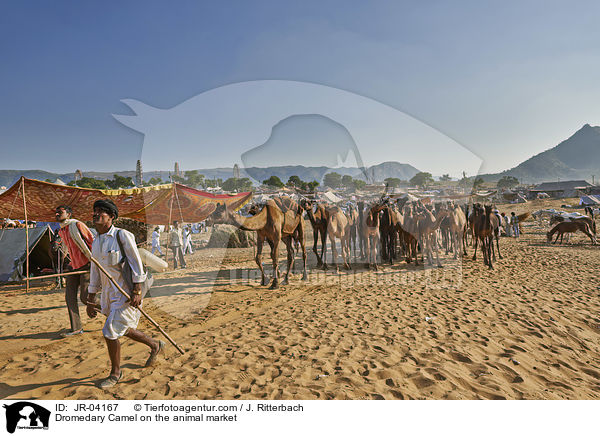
(570, 227)
(388, 231)
(485, 225)
(427, 225)
(318, 220)
(457, 223)
(273, 225)
(370, 233)
(411, 233)
(337, 228)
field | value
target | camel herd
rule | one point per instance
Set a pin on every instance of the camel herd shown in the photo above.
(382, 231)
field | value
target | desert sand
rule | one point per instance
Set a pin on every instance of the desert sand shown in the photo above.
(529, 329)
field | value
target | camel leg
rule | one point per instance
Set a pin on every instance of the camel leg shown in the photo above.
(315, 243)
(290, 258)
(303, 247)
(324, 249)
(374, 251)
(490, 250)
(476, 241)
(275, 258)
(557, 235)
(334, 253)
(347, 257)
(260, 239)
(498, 247)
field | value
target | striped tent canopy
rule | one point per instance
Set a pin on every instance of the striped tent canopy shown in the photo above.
(152, 205)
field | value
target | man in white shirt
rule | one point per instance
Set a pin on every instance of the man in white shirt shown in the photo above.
(176, 244)
(187, 240)
(122, 315)
(156, 241)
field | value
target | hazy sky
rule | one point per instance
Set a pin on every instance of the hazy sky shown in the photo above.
(505, 80)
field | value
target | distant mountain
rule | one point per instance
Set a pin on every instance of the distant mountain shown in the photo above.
(577, 157)
(375, 173)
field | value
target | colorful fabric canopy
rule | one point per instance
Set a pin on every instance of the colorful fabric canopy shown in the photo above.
(152, 205)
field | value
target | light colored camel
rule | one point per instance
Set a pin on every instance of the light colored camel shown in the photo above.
(457, 222)
(370, 233)
(411, 233)
(428, 225)
(338, 227)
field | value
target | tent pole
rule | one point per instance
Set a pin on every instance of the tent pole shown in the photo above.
(26, 236)
(168, 227)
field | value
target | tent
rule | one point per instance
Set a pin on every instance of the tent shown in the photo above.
(590, 200)
(330, 196)
(13, 255)
(153, 205)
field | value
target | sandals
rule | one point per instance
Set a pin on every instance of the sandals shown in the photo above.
(154, 354)
(110, 381)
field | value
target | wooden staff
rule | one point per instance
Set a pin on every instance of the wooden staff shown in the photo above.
(51, 276)
(26, 236)
(154, 323)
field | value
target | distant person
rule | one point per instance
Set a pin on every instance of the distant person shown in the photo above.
(176, 244)
(187, 240)
(514, 221)
(122, 314)
(78, 239)
(506, 224)
(156, 241)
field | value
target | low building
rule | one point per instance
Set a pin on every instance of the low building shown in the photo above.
(566, 189)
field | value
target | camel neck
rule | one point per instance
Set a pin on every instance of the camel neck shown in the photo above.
(253, 223)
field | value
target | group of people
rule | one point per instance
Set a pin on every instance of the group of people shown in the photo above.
(510, 224)
(180, 242)
(96, 258)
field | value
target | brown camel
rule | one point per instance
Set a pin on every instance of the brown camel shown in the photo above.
(410, 233)
(485, 225)
(318, 220)
(570, 227)
(273, 225)
(390, 227)
(589, 221)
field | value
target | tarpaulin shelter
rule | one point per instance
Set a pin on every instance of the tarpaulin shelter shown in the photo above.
(13, 253)
(30, 199)
(153, 205)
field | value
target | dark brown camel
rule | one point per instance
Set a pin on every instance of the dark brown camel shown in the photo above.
(318, 220)
(570, 227)
(485, 225)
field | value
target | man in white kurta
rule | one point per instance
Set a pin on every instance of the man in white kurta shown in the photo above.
(156, 241)
(122, 314)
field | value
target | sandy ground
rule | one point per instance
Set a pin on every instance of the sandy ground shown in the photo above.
(529, 329)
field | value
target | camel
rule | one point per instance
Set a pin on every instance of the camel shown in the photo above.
(427, 226)
(389, 228)
(273, 225)
(337, 227)
(353, 218)
(570, 227)
(457, 230)
(486, 225)
(410, 233)
(318, 220)
(589, 221)
(370, 233)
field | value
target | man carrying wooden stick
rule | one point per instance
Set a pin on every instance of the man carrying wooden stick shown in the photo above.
(122, 314)
(78, 239)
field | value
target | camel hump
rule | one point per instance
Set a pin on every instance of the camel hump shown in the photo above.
(290, 221)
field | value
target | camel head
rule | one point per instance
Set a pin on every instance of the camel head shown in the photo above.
(220, 214)
(549, 236)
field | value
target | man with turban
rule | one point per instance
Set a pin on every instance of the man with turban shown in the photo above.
(122, 314)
